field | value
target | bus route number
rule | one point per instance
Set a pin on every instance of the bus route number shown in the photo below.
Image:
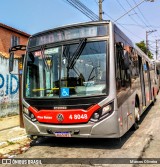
(78, 116)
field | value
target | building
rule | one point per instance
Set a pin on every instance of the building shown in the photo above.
(9, 83)
(9, 37)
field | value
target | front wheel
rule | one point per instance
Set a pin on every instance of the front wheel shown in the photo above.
(137, 119)
(137, 115)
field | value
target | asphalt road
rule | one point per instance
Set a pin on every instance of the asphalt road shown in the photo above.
(142, 143)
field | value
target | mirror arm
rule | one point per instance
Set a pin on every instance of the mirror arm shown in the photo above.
(11, 52)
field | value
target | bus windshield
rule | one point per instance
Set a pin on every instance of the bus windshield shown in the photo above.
(67, 71)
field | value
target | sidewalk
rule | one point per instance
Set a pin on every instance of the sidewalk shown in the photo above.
(13, 139)
(9, 122)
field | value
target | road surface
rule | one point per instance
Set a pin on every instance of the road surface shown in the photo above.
(142, 143)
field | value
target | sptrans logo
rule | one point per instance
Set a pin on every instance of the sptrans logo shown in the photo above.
(60, 117)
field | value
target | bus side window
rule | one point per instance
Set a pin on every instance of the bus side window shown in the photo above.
(134, 66)
(123, 79)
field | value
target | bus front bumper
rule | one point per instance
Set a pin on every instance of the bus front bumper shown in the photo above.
(89, 130)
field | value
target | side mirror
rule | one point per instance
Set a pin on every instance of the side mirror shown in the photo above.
(11, 61)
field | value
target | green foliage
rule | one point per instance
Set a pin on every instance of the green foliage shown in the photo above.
(10, 142)
(143, 47)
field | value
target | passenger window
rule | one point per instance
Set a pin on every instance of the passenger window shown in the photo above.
(134, 65)
(123, 74)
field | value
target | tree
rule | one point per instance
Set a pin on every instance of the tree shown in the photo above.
(143, 47)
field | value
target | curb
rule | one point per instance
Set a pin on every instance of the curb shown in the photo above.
(9, 128)
(14, 146)
(13, 140)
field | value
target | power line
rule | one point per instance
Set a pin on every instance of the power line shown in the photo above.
(85, 8)
(135, 35)
(96, 2)
(82, 8)
(108, 16)
(140, 12)
(129, 11)
(126, 12)
(145, 19)
(138, 25)
(135, 11)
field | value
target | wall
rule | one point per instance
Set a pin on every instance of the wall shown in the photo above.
(9, 88)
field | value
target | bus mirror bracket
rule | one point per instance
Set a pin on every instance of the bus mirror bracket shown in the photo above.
(11, 53)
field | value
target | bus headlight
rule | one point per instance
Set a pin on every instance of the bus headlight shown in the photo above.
(29, 114)
(106, 109)
(26, 111)
(102, 113)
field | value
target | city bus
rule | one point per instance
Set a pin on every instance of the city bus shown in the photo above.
(85, 80)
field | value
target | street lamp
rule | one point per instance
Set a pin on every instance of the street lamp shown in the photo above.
(133, 8)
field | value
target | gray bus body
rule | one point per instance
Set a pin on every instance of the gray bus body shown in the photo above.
(118, 82)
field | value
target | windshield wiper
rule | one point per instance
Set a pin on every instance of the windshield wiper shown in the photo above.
(77, 53)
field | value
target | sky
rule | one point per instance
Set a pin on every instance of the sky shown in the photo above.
(32, 16)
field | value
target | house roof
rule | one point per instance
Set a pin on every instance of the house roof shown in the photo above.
(4, 54)
(15, 30)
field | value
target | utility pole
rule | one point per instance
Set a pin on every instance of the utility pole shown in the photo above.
(20, 61)
(100, 10)
(147, 45)
(157, 48)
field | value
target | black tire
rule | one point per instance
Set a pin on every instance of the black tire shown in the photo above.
(137, 119)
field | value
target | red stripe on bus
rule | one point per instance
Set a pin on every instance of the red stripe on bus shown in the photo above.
(67, 116)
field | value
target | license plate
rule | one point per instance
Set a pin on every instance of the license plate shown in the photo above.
(62, 134)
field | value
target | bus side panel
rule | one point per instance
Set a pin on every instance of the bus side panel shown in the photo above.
(109, 127)
(124, 115)
(126, 101)
(126, 110)
(131, 113)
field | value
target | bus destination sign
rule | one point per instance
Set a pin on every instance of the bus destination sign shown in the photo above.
(68, 34)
